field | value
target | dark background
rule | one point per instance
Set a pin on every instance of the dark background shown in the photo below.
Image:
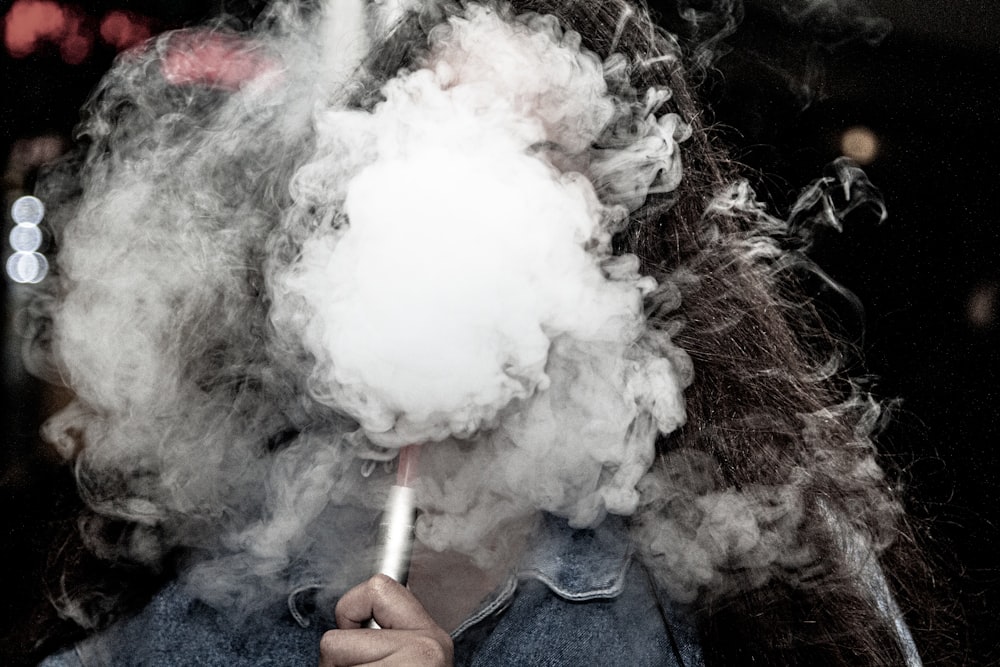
(928, 277)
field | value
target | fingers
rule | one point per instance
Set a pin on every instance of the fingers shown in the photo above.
(400, 648)
(409, 636)
(392, 605)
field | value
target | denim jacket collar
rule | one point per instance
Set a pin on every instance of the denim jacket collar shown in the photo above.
(576, 565)
(580, 565)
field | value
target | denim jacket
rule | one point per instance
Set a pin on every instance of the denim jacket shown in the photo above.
(579, 598)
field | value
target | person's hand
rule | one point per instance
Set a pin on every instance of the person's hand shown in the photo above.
(408, 637)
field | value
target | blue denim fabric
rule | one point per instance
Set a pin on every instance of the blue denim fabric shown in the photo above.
(580, 599)
(175, 630)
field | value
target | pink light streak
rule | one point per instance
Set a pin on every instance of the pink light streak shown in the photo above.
(220, 61)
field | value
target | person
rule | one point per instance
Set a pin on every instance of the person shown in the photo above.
(502, 231)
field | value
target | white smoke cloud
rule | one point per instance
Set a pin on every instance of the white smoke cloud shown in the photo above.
(281, 267)
(288, 264)
(434, 307)
(469, 292)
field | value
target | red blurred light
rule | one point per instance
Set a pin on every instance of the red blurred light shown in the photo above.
(220, 61)
(77, 41)
(122, 29)
(30, 22)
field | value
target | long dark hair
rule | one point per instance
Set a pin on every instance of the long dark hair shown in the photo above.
(769, 406)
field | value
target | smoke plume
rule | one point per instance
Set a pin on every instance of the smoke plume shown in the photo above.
(268, 281)
(292, 251)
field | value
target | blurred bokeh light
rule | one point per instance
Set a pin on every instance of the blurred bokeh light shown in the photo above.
(860, 144)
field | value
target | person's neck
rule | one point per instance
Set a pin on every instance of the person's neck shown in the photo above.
(451, 586)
